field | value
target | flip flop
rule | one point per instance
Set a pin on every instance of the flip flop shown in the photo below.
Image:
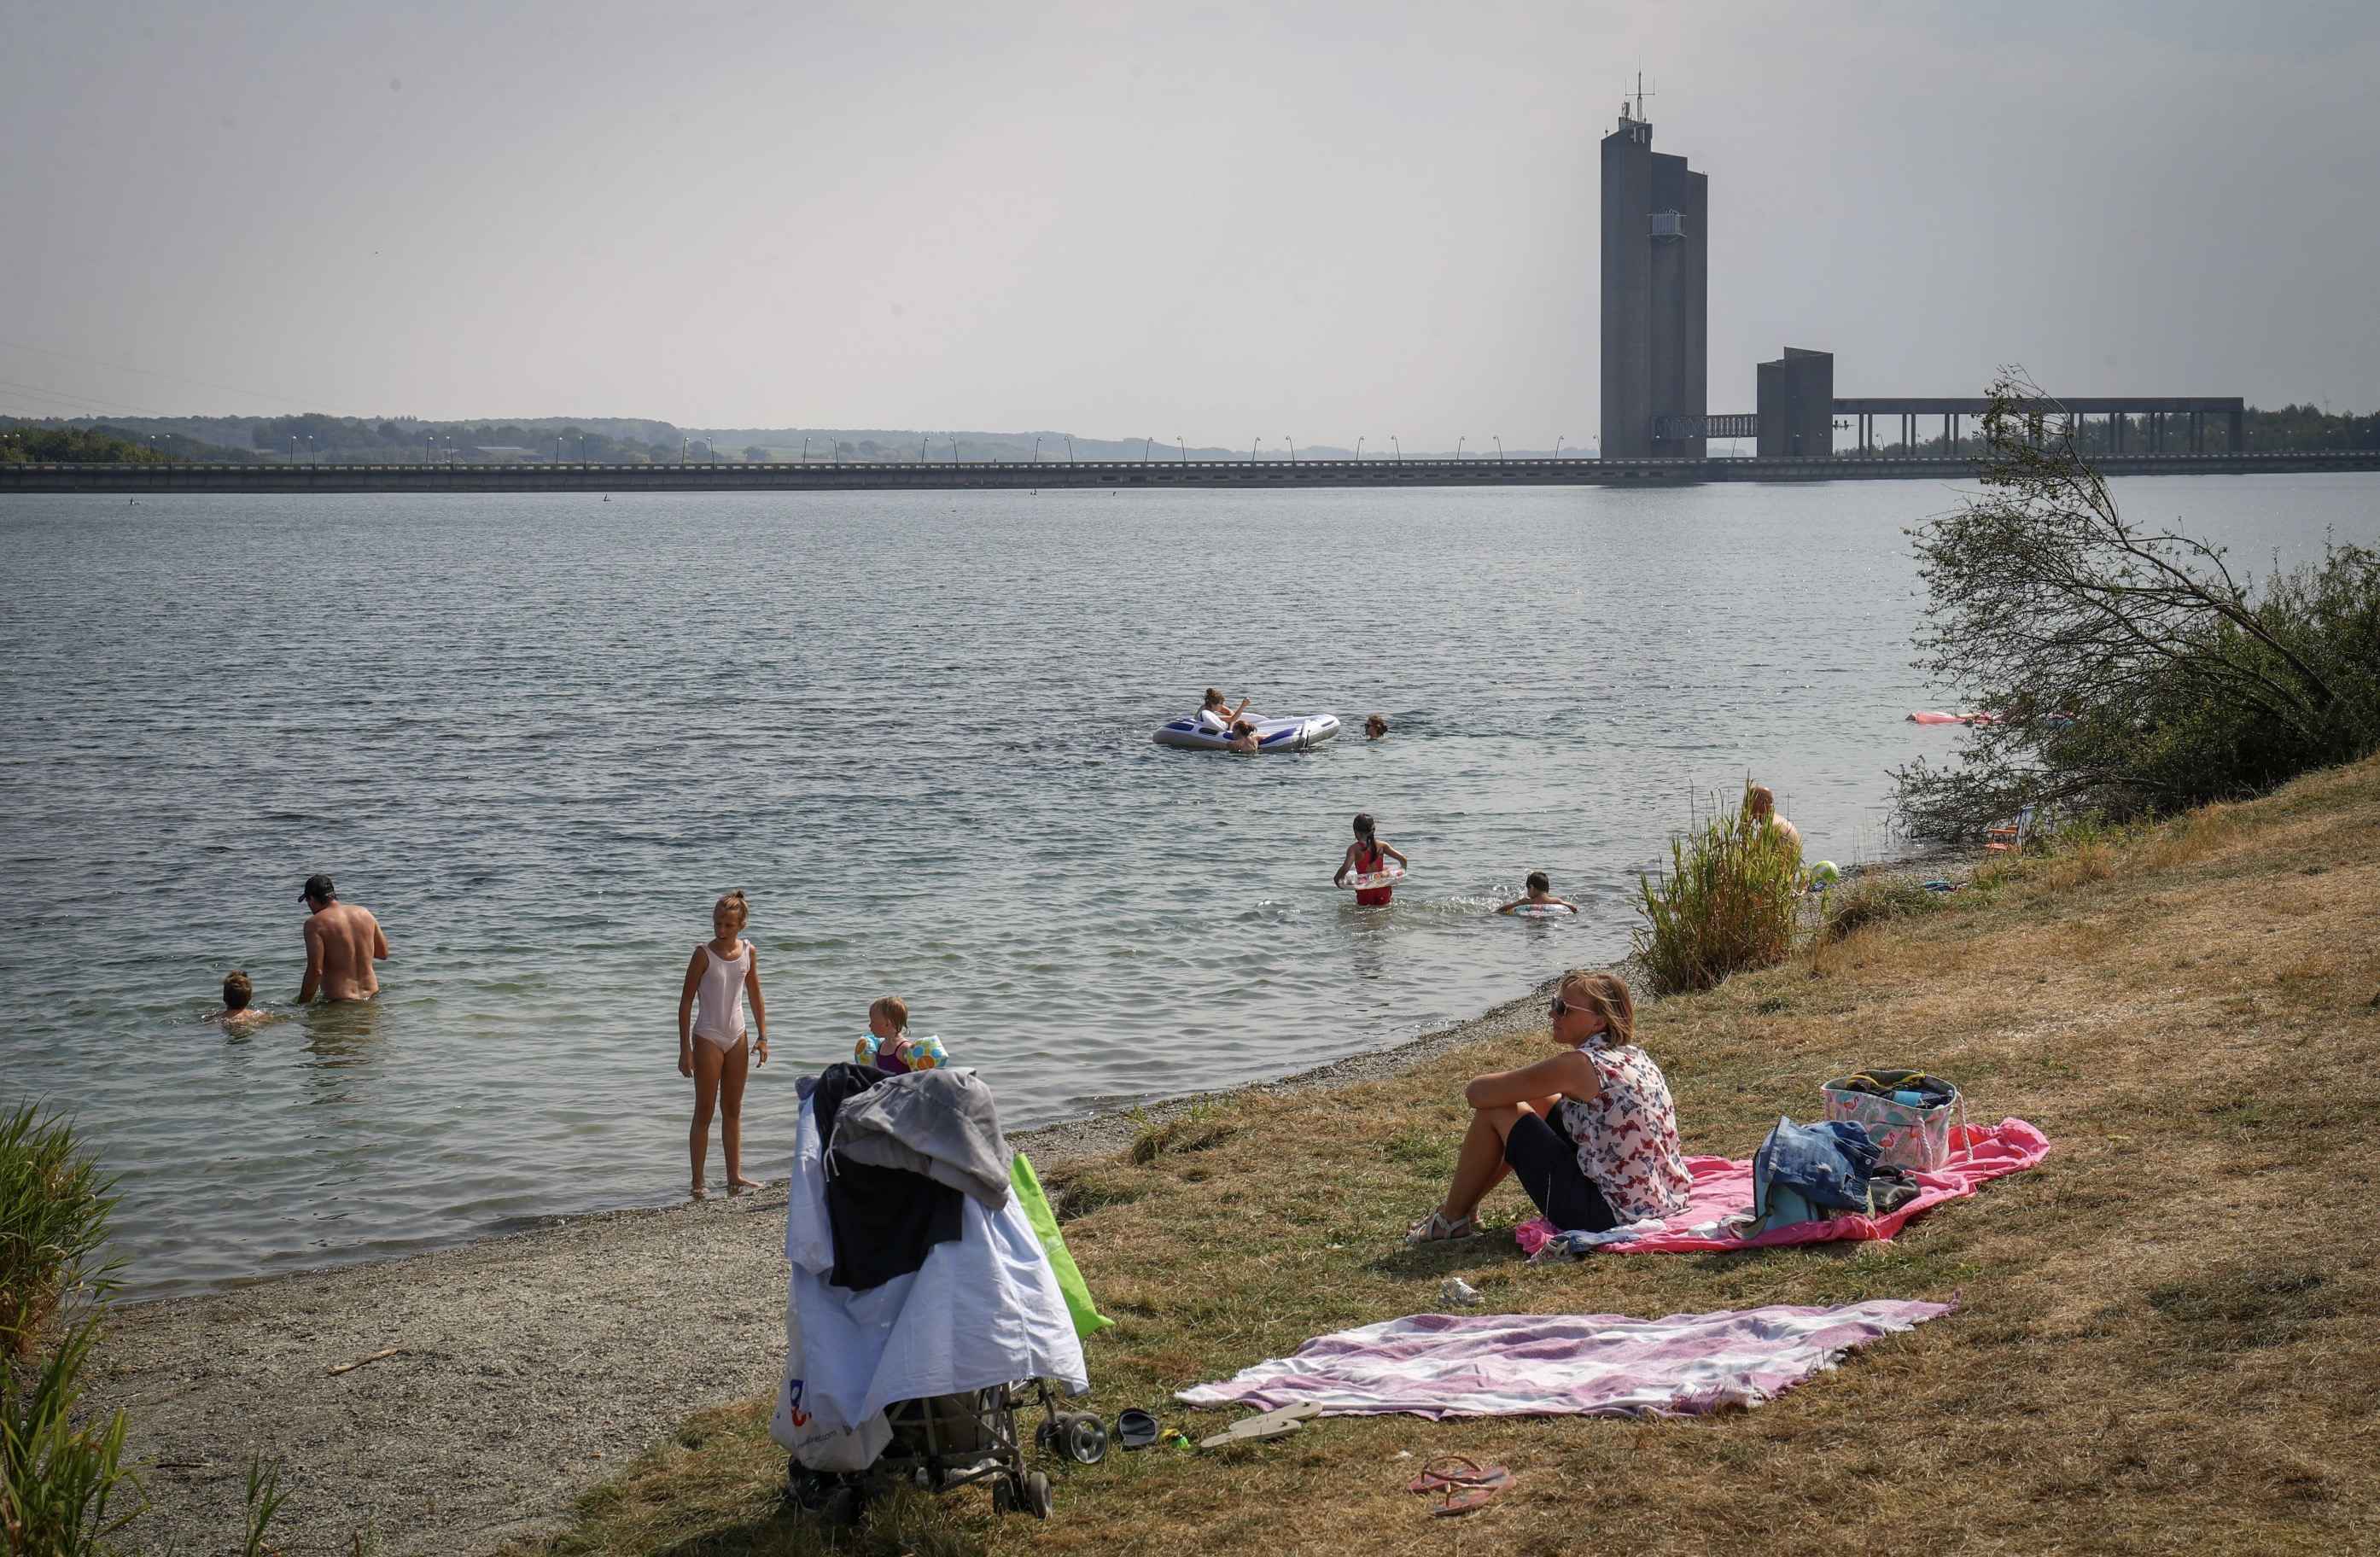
(1466, 1500)
(1136, 1428)
(1444, 1471)
(1277, 1423)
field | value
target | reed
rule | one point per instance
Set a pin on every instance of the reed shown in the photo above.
(63, 1483)
(1727, 904)
(54, 1210)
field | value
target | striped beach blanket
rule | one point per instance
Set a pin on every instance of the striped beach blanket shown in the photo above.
(1548, 1365)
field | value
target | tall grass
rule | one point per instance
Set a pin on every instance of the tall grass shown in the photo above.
(1726, 905)
(58, 1476)
(54, 1210)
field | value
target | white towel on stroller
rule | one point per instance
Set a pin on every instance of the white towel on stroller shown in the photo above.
(981, 1312)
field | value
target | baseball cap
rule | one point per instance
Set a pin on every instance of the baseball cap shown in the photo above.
(318, 885)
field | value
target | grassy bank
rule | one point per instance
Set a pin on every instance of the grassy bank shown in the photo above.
(2167, 1338)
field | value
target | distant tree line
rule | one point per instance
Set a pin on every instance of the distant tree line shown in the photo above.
(358, 440)
(35, 444)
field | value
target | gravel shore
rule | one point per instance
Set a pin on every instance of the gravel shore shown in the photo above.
(519, 1372)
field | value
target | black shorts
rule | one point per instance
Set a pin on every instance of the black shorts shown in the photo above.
(1546, 1161)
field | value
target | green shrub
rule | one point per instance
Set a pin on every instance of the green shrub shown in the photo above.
(57, 1479)
(2132, 670)
(1726, 905)
(1867, 900)
(59, 1475)
(53, 1209)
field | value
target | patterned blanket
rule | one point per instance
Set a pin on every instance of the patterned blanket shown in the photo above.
(1723, 1188)
(1543, 1364)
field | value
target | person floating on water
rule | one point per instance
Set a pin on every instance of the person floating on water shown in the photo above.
(1540, 895)
(1590, 1132)
(1375, 726)
(1366, 856)
(1244, 738)
(710, 1045)
(238, 1013)
(343, 941)
(1761, 801)
(1213, 717)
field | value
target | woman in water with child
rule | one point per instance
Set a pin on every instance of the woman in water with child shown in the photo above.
(710, 1045)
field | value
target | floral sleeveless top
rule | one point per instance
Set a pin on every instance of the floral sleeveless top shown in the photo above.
(1628, 1137)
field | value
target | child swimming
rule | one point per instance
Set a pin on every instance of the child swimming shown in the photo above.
(238, 990)
(1365, 857)
(710, 1037)
(1541, 895)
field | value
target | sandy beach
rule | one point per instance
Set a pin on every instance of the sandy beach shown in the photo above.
(508, 1376)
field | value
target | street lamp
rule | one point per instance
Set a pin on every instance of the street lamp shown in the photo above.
(1359, 451)
(1252, 450)
(1558, 438)
(1401, 449)
(1036, 451)
(805, 448)
(1070, 448)
(1182, 446)
(1146, 444)
(1458, 448)
(1292, 448)
(1500, 447)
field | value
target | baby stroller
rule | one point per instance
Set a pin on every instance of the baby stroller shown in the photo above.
(921, 1377)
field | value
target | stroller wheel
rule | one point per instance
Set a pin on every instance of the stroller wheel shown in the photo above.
(1004, 1495)
(1037, 1494)
(841, 1510)
(1084, 1439)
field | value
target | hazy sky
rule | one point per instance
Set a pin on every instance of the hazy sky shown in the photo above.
(1315, 221)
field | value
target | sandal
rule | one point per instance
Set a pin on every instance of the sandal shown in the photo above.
(1465, 1500)
(1435, 1229)
(1452, 1471)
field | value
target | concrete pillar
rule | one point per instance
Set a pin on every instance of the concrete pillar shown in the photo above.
(2236, 431)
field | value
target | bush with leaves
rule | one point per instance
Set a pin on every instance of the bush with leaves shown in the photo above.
(1727, 904)
(2128, 668)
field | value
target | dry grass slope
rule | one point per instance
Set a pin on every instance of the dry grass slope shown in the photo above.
(2167, 1340)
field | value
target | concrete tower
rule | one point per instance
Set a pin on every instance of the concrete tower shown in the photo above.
(1656, 289)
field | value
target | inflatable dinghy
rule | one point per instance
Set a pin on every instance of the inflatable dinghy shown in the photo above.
(1297, 734)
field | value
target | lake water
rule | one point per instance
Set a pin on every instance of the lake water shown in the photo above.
(538, 734)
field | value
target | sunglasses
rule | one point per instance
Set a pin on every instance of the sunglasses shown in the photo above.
(1560, 1008)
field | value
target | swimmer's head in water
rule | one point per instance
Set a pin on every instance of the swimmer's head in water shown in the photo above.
(729, 914)
(1214, 698)
(893, 1011)
(1242, 727)
(1540, 881)
(1363, 824)
(318, 890)
(237, 992)
(1375, 726)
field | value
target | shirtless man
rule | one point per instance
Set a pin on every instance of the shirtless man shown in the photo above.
(342, 942)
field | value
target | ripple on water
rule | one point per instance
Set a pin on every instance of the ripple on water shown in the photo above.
(916, 730)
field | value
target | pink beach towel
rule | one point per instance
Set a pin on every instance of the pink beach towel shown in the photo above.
(1555, 1365)
(1723, 1188)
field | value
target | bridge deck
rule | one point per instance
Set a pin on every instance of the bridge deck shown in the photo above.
(816, 477)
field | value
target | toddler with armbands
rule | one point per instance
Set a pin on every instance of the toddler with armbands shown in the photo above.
(888, 1045)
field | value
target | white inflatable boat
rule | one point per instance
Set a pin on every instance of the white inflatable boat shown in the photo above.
(1297, 734)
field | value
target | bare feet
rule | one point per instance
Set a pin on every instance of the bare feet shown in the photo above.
(698, 1193)
(739, 1184)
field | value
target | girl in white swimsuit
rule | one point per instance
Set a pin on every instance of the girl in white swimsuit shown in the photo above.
(710, 1037)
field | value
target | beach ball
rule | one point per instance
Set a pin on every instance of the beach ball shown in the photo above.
(924, 1053)
(1824, 873)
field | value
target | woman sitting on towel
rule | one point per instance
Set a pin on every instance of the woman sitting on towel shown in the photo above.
(1591, 1132)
